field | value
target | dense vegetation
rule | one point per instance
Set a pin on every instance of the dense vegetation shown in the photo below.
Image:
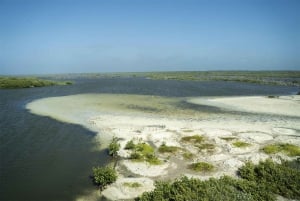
(279, 179)
(225, 189)
(290, 78)
(22, 82)
(103, 176)
(257, 182)
(287, 78)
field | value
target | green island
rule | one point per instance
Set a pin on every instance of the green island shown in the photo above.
(284, 78)
(27, 82)
(280, 78)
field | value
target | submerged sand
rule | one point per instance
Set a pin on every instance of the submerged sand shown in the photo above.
(158, 120)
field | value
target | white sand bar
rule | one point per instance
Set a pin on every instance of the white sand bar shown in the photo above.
(157, 121)
(283, 105)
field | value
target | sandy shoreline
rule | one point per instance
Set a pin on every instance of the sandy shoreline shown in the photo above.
(128, 124)
(283, 105)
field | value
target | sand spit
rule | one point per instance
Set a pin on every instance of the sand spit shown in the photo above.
(282, 105)
(221, 137)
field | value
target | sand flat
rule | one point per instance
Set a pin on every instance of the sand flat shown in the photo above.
(115, 118)
(283, 105)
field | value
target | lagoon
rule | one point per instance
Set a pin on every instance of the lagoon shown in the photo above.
(45, 159)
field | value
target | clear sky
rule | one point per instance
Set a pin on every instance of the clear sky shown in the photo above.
(73, 36)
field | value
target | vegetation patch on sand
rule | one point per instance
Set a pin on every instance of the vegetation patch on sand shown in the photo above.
(187, 155)
(25, 82)
(193, 139)
(201, 167)
(241, 144)
(132, 184)
(168, 149)
(288, 149)
(199, 142)
(141, 152)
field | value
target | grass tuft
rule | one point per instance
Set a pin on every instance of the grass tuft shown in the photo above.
(168, 149)
(193, 138)
(241, 144)
(187, 155)
(288, 149)
(201, 167)
(132, 184)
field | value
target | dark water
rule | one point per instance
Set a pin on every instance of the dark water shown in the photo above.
(43, 159)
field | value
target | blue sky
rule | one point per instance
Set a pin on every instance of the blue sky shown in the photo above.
(72, 36)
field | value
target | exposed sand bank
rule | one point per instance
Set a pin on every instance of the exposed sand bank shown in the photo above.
(283, 105)
(154, 120)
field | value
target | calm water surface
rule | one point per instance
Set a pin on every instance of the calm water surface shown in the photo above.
(43, 159)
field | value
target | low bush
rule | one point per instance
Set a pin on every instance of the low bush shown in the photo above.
(129, 145)
(114, 147)
(103, 176)
(136, 156)
(152, 159)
